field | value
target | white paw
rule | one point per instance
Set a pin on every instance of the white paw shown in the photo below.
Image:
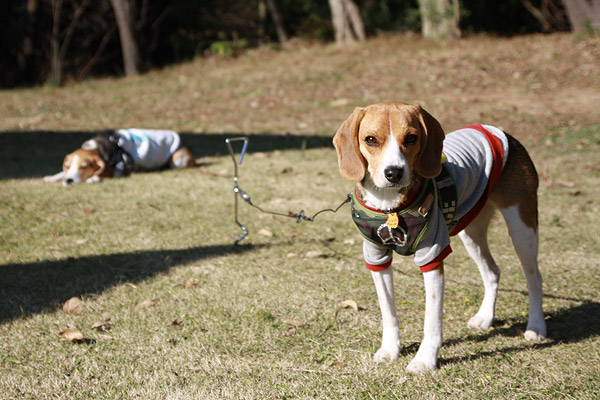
(531, 334)
(480, 322)
(93, 179)
(385, 355)
(418, 366)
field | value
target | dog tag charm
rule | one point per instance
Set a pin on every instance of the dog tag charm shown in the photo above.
(392, 220)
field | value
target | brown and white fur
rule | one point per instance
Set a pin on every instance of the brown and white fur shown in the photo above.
(87, 165)
(409, 145)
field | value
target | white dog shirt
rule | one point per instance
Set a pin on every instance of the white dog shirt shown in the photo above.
(471, 155)
(149, 148)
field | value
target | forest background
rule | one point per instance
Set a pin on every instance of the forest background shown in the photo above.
(53, 41)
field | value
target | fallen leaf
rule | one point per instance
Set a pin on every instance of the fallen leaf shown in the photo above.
(102, 326)
(565, 183)
(177, 322)
(81, 241)
(72, 306)
(292, 255)
(294, 322)
(89, 210)
(287, 170)
(290, 331)
(55, 234)
(265, 232)
(339, 102)
(145, 304)
(338, 364)
(316, 254)
(72, 334)
(188, 284)
(348, 304)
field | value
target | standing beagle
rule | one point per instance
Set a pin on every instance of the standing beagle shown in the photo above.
(416, 187)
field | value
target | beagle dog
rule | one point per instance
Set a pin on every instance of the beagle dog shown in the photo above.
(117, 153)
(416, 187)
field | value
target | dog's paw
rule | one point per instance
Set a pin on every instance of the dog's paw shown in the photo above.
(385, 355)
(533, 334)
(93, 179)
(480, 322)
(418, 366)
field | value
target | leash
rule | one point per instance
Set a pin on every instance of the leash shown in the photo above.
(238, 192)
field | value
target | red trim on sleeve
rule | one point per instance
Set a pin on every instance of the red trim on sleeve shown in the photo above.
(378, 268)
(497, 153)
(437, 261)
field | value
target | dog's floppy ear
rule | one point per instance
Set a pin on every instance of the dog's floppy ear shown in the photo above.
(102, 167)
(351, 162)
(429, 164)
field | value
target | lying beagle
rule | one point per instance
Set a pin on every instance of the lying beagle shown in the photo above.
(117, 153)
(410, 198)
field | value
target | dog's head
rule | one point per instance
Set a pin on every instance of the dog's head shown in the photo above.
(390, 143)
(84, 165)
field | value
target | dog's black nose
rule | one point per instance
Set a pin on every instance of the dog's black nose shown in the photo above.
(69, 181)
(393, 174)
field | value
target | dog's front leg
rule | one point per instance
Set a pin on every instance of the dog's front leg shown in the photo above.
(390, 340)
(55, 177)
(426, 358)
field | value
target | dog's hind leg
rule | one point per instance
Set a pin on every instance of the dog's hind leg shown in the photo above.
(474, 238)
(525, 241)
(515, 194)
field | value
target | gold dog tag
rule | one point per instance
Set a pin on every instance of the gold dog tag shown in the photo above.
(392, 220)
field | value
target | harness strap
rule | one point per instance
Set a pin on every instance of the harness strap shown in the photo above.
(117, 158)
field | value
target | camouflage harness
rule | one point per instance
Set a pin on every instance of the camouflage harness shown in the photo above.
(402, 230)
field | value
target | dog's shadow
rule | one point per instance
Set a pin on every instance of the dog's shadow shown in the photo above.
(31, 288)
(569, 325)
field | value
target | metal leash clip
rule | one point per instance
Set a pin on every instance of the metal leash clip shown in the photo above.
(236, 188)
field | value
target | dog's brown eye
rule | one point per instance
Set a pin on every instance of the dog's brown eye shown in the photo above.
(410, 139)
(371, 141)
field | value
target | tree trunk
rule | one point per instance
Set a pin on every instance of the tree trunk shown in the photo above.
(277, 20)
(537, 13)
(583, 13)
(24, 57)
(353, 15)
(440, 18)
(262, 21)
(55, 60)
(347, 22)
(129, 46)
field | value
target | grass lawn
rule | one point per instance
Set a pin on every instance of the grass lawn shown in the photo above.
(170, 309)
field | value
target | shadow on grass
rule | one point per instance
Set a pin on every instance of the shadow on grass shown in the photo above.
(32, 288)
(570, 325)
(31, 154)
